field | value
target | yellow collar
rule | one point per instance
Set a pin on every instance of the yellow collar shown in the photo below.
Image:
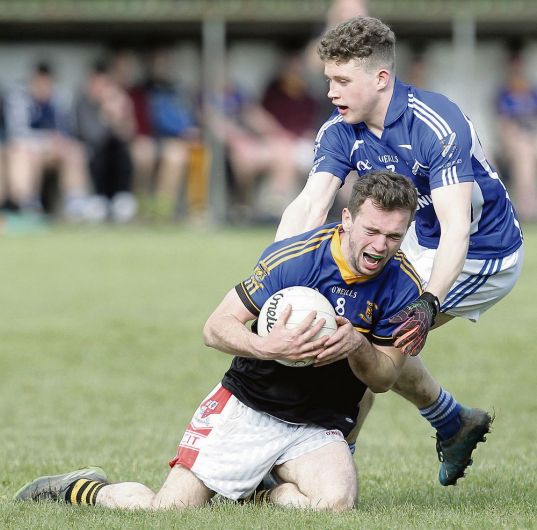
(337, 253)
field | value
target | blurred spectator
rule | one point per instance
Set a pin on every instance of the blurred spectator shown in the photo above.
(339, 11)
(288, 100)
(4, 195)
(517, 110)
(105, 123)
(242, 126)
(167, 132)
(38, 134)
(265, 145)
(126, 70)
(416, 74)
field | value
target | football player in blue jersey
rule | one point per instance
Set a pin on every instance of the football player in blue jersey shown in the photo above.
(265, 415)
(465, 242)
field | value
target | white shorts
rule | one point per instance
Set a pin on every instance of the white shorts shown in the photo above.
(231, 447)
(479, 286)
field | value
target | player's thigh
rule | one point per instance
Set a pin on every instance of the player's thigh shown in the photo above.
(182, 489)
(328, 473)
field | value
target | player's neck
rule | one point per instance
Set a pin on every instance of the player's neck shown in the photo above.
(375, 128)
(375, 123)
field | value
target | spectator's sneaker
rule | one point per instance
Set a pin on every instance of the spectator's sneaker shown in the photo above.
(123, 207)
(74, 208)
(95, 209)
(53, 487)
(455, 454)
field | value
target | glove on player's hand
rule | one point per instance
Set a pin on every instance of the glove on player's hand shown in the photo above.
(416, 320)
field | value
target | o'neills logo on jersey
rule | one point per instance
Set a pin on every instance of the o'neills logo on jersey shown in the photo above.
(344, 292)
(272, 316)
(385, 159)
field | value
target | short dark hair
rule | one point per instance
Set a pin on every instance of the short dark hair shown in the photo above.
(361, 38)
(386, 189)
(100, 67)
(43, 68)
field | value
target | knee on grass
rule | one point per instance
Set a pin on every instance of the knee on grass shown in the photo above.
(334, 502)
(334, 499)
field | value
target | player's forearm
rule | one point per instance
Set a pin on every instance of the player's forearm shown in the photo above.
(300, 216)
(373, 367)
(310, 208)
(448, 261)
(228, 335)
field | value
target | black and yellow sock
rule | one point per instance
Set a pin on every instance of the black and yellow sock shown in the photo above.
(83, 491)
(262, 497)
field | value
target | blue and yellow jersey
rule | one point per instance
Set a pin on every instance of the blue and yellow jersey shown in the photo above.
(328, 396)
(315, 259)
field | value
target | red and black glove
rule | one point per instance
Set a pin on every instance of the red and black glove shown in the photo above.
(416, 320)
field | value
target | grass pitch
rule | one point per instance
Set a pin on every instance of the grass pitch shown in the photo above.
(102, 363)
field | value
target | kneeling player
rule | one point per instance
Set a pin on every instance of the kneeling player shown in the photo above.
(266, 416)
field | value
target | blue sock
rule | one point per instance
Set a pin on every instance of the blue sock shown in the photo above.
(443, 415)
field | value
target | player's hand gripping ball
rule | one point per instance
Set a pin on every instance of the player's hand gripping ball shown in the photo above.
(303, 300)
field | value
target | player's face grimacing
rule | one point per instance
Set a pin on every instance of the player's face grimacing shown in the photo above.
(354, 89)
(373, 237)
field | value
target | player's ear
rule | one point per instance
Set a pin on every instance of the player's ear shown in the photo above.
(346, 219)
(383, 78)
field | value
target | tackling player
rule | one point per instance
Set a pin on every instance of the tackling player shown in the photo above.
(264, 415)
(466, 241)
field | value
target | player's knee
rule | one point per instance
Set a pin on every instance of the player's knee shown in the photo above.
(338, 498)
(336, 502)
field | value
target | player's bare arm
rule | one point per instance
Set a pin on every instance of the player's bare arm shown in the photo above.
(311, 206)
(377, 366)
(453, 209)
(225, 330)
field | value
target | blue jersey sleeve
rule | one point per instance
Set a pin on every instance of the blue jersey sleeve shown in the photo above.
(445, 140)
(261, 284)
(292, 261)
(333, 149)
